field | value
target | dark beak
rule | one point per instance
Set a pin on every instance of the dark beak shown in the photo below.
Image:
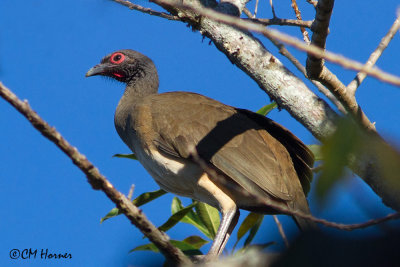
(97, 70)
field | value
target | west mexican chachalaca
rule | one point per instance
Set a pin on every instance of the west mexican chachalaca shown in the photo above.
(254, 155)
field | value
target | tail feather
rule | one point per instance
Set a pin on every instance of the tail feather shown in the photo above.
(305, 225)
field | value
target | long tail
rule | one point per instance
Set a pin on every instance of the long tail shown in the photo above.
(301, 204)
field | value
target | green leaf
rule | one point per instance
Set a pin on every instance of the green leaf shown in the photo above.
(196, 241)
(147, 197)
(176, 205)
(336, 151)
(316, 150)
(209, 216)
(175, 218)
(350, 143)
(114, 212)
(253, 231)
(267, 109)
(139, 201)
(186, 248)
(149, 246)
(127, 156)
(251, 220)
(190, 218)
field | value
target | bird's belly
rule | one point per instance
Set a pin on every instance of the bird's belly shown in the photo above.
(177, 176)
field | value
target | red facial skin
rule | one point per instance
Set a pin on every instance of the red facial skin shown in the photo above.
(117, 58)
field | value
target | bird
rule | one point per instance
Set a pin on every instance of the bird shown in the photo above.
(251, 154)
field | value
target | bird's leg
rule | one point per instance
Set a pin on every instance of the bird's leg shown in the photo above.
(228, 223)
(229, 214)
(230, 230)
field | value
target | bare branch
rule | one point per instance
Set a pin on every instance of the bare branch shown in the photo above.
(130, 194)
(146, 10)
(272, 8)
(281, 231)
(255, 9)
(339, 90)
(320, 29)
(96, 179)
(282, 22)
(298, 16)
(318, 84)
(354, 84)
(247, 12)
(312, 2)
(281, 208)
(317, 70)
(283, 51)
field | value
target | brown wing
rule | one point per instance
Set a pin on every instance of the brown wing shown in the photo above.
(302, 157)
(229, 139)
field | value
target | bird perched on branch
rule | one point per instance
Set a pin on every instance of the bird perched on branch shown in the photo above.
(260, 165)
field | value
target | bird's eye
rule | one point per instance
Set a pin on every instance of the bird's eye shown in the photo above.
(117, 58)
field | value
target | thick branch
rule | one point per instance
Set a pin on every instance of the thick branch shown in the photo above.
(354, 84)
(96, 179)
(320, 29)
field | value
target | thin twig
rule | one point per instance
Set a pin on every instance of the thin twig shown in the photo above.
(298, 16)
(255, 10)
(284, 210)
(130, 194)
(281, 231)
(146, 10)
(354, 84)
(96, 179)
(247, 12)
(273, 9)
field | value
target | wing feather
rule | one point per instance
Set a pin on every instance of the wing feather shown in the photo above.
(227, 138)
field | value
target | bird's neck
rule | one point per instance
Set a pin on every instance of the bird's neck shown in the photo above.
(139, 87)
(135, 92)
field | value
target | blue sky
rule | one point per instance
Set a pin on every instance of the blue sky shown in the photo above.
(46, 47)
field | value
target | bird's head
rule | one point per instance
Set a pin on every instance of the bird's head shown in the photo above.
(124, 66)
